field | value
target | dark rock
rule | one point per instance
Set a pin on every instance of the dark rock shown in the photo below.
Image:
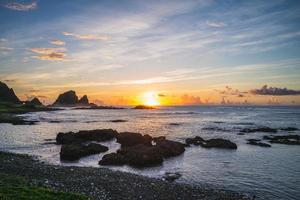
(130, 139)
(261, 129)
(67, 98)
(8, 95)
(284, 139)
(84, 100)
(174, 124)
(83, 136)
(171, 177)
(143, 107)
(170, 148)
(257, 143)
(35, 101)
(113, 159)
(159, 138)
(289, 129)
(72, 152)
(195, 141)
(219, 143)
(118, 120)
(142, 155)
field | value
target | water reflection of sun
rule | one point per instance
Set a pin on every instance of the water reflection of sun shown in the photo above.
(150, 99)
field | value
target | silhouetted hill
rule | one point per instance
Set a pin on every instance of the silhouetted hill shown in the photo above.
(35, 101)
(7, 94)
(70, 98)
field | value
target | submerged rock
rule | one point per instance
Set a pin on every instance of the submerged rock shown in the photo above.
(171, 176)
(219, 143)
(130, 139)
(257, 143)
(284, 139)
(118, 120)
(260, 129)
(72, 152)
(194, 141)
(289, 129)
(83, 136)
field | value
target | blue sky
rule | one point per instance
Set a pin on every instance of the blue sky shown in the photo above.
(112, 48)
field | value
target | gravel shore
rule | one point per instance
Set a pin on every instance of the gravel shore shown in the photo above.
(101, 183)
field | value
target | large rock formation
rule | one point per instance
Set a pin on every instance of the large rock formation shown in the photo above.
(70, 98)
(7, 94)
(35, 101)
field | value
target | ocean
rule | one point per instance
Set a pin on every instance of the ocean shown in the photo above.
(269, 173)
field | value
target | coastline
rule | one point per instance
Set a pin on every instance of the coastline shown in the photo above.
(102, 183)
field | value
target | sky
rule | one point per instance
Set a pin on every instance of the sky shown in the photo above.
(170, 52)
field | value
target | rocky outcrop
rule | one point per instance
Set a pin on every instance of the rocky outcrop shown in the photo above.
(260, 129)
(84, 100)
(142, 151)
(143, 107)
(212, 143)
(35, 102)
(98, 135)
(70, 98)
(284, 139)
(169, 148)
(72, 152)
(127, 139)
(257, 142)
(8, 95)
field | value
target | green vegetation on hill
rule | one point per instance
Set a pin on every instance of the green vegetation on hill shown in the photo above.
(16, 188)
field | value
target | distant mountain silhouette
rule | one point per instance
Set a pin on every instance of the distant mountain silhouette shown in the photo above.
(70, 98)
(7, 94)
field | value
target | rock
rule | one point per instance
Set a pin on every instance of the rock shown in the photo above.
(289, 129)
(84, 100)
(284, 139)
(195, 141)
(72, 152)
(143, 107)
(260, 129)
(8, 95)
(83, 136)
(142, 155)
(70, 98)
(171, 177)
(130, 139)
(35, 101)
(170, 148)
(118, 120)
(219, 143)
(257, 142)
(174, 124)
(113, 159)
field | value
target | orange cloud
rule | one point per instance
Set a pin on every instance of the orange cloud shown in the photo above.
(86, 36)
(52, 54)
(58, 42)
(190, 100)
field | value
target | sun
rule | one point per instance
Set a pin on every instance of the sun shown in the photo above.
(150, 99)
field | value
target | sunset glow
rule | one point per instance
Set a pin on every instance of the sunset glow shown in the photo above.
(150, 99)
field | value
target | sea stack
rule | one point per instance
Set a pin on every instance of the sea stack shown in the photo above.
(70, 98)
(8, 95)
(35, 101)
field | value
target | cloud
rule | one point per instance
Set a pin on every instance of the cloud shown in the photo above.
(190, 100)
(215, 24)
(274, 91)
(87, 36)
(162, 95)
(232, 92)
(3, 40)
(5, 49)
(21, 6)
(58, 42)
(52, 54)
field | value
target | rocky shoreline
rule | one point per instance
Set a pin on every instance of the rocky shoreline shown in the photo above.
(102, 183)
